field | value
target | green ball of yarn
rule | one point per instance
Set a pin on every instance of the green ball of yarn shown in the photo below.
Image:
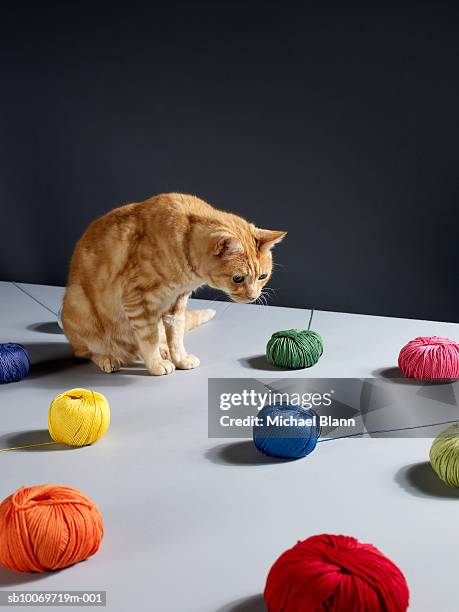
(444, 455)
(294, 348)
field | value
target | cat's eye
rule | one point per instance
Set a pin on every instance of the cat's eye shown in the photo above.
(262, 276)
(238, 279)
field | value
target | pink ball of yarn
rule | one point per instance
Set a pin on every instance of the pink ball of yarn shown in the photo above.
(430, 357)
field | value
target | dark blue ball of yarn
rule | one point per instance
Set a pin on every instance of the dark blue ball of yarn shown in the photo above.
(285, 432)
(14, 362)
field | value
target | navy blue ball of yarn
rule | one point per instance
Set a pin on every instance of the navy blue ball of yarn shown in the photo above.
(14, 362)
(293, 435)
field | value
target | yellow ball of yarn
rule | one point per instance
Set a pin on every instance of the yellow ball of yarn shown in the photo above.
(78, 417)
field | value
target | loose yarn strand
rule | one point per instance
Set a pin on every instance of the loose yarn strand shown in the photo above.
(310, 319)
(376, 431)
(4, 450)
(18, 286)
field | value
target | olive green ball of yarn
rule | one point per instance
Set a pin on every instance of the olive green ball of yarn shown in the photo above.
(294, 348)
(444, 455)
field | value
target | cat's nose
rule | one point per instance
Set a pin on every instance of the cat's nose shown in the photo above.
(252, 297)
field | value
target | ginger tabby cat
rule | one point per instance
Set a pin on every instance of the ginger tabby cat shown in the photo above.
(133, 270)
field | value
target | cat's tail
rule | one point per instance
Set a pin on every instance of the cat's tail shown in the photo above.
(193, 318)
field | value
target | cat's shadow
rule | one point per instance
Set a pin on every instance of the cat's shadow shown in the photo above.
(53, 365)
(47, 327)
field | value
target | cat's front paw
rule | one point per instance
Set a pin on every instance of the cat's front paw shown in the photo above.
(159, 367)
(187, 362)
(106, 364)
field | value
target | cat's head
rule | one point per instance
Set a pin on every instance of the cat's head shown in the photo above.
(240, 262)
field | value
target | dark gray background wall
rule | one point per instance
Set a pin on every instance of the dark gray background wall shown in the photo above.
(335, 121)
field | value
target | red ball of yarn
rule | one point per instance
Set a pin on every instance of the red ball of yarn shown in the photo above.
(335, 572)
(430, 357)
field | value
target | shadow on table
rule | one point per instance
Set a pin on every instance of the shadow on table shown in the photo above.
(54, 366)
(36, 436)
(259, 362)
(133, 370)
(9, 578)
(395, 375)
(47, 327)
(50, 357)
(241, 453)
(420, 480)
(248, 604)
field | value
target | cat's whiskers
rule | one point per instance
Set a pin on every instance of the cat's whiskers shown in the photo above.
(262, 299)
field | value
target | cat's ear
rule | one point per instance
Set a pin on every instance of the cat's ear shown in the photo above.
(226, 244)
(267, 239)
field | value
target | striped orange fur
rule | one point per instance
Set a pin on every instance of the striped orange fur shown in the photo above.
(133, 270)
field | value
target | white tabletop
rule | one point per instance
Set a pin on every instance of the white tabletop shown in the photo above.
(193, 524)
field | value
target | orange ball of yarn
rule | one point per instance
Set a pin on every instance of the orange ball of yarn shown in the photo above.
(48, 527)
